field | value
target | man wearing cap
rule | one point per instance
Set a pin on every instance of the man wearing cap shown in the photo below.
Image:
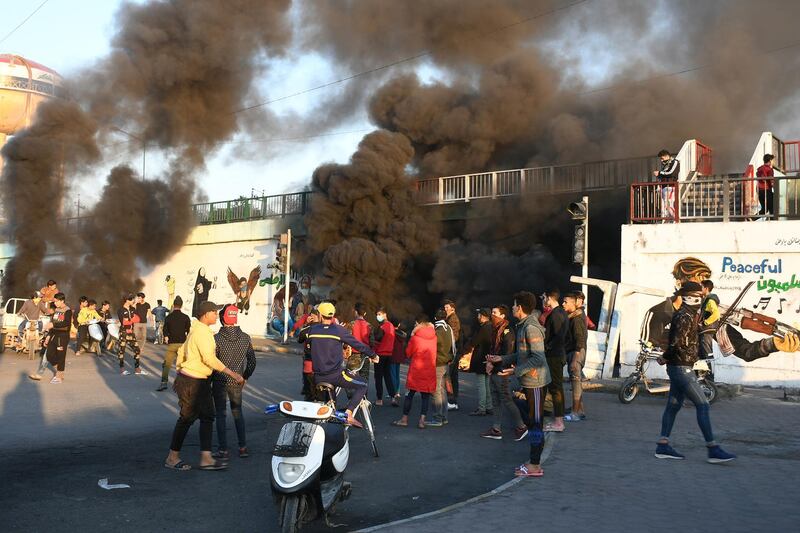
(197, 360)
(680, 356)
(176, 327)
(235, 350)
(326, 355)
(127, 319)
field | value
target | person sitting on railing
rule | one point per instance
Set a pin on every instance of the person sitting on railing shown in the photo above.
(669, 172)
(765, 192)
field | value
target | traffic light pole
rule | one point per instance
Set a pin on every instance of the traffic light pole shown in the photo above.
(585, 265)
(286, 285)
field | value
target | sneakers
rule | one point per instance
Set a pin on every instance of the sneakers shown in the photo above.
(433, 423)
(665, 451)
(123, 372)
(492, 433)
(717, 455)
(478, 412)
(243, 453)
(520, 433)
(574, 417)
(161, 387)
(223, 455)
(452, 406)
(140, 372)
(35, 377)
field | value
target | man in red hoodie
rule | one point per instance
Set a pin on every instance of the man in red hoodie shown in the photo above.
(765, 191)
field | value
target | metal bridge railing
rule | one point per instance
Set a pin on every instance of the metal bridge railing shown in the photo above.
(716, 199)
(245, 209)
(552, 179)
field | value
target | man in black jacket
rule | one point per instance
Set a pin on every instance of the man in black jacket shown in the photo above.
(680, 356)
(481, 345)
(669, 173)
(577, 335)
(235, 350)
(176, 328)
(555, 327)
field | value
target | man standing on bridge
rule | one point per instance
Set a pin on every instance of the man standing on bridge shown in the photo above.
(669, 172)
(326, 356)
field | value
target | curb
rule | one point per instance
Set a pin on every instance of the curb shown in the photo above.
(549, 443)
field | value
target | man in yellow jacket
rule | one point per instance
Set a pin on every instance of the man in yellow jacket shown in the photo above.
(196, 361)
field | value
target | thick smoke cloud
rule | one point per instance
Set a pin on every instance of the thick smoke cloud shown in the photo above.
(512, 98)
(176, 73)
(366, 227)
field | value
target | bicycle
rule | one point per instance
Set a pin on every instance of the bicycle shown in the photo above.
(648, 352)
(364, 407)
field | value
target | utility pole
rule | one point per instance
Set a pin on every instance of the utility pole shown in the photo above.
(78, 207)
(287, 284)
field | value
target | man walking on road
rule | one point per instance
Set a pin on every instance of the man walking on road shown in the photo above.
(127, 320)
(234, 350)
(159, 314)
(680, 356)
(140, 328)
(197, 359)
(176, 327)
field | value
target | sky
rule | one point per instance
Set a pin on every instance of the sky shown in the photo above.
(68, 35)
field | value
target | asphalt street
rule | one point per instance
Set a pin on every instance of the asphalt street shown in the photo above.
(600, 475)
(59, 440)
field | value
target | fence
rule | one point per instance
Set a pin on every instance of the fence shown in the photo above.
(245, 209)
(719, 198)
(553, 179)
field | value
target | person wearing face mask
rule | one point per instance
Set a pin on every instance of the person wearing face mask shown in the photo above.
(383, 345)
(681, 354)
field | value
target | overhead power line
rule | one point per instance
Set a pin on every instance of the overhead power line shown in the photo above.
(26, 19)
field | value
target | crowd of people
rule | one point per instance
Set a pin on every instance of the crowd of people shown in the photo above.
(47, 317)
(517, 355)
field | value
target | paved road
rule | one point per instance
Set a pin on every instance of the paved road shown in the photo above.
(59, 440)
(600, 475)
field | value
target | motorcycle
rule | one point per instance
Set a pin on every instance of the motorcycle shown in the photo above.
(308, 462)
(630, 387)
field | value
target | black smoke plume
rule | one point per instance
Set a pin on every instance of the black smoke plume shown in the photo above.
(175, 76)
(366, 228)
(505, 96)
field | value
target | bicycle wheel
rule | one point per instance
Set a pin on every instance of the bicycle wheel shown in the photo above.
(365, 410)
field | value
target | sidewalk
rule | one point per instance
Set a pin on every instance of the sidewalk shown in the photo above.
(601, 475)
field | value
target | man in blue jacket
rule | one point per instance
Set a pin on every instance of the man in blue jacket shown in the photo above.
(326, 355)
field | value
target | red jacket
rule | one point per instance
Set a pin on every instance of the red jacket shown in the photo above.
(385, 346)
(422, 352)
(765, 171)
(361, 331)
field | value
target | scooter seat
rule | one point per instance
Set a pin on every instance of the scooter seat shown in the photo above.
(325, 387)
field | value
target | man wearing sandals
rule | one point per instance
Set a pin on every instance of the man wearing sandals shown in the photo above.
(197, 359)
(530, 366)
(56, 340)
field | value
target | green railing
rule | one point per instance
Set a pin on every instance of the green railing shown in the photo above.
(245, 209)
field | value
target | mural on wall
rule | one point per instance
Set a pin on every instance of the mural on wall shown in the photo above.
(243, 288)
(759, 304)
(196, 273)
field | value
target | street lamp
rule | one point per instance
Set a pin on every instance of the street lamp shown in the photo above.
(144, 148)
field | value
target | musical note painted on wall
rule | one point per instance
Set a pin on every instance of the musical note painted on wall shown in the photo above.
(764, 302)
(780, 305)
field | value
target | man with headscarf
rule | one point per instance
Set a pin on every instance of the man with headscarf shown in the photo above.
(681, 354)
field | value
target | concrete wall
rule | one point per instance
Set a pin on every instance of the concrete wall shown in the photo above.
(239, 246)
(736, 253)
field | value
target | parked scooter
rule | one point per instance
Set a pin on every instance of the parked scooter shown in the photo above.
(308, 463)
(648, 352)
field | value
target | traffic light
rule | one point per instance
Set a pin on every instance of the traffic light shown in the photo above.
(280, 257)
(580, 213)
